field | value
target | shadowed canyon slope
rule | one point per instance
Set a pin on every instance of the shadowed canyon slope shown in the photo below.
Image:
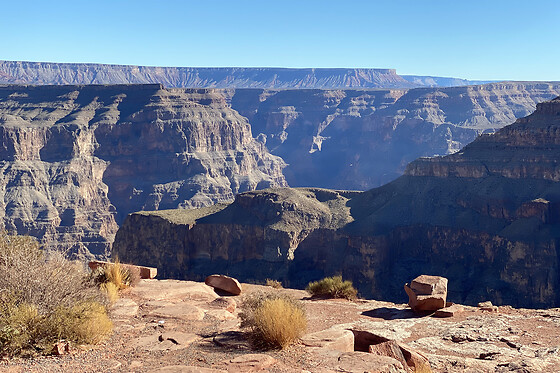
(77, 159)
(486, 217)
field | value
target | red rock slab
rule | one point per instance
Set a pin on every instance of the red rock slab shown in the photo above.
(225, 283)
(390, 349)
(145, 272)
(450, 311)
(333, 339)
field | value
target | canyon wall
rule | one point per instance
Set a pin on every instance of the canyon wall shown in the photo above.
(486, 217)
(76, 160)
(360, 139)
(39, 73)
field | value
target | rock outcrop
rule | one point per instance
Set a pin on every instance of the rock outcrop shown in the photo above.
(76, 160)
(486, 218)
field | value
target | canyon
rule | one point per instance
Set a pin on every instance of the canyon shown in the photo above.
(485, 217)
(76, 160)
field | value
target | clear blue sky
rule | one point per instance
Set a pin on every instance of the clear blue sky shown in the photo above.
(491, 39)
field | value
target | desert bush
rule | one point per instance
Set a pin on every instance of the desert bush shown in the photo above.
(273, 283)
(333, 287)
(273, 320)
(44, 299)
(120, 275)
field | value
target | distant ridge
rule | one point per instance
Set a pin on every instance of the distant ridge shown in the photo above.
(48, 73)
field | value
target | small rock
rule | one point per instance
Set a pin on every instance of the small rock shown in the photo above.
(333, 339)
(225, 283)
(450, 311)
(485, 304)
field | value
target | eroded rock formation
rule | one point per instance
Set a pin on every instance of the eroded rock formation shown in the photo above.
(76, 160)
(358, 140)
(486, 218)
(23, 72)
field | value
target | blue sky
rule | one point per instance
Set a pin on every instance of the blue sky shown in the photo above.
(491, 39)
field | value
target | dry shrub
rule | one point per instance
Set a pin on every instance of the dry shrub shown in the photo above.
(111, 290)
(274, 320)
(45, 299)
(85, 322)
(121, 276)
(332, 287)
(273, 283)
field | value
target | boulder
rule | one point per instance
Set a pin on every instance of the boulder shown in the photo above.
(225, 283)
(427, 293)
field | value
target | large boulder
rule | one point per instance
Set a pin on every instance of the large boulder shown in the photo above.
(225, 283)
(427, 293)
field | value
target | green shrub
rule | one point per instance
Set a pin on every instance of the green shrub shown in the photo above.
(44, 299)
(273, 320)
(332, 287)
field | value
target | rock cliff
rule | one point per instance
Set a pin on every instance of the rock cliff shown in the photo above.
(76, 160)
(21, 72)
(356, 139)
(486, 217)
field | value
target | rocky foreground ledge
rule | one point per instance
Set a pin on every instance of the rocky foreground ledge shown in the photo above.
(184, 326)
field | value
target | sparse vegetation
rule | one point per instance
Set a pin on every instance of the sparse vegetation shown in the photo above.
(332, 287)
(273, 283)
(274, 320)
(45, 299)
(114, 277)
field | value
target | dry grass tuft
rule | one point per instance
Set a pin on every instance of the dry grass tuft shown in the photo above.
(333, 287)
(113, 277)
(274, 320)
(274, 283)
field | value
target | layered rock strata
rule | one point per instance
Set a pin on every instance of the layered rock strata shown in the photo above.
(22, 72)
(487, 218)
(76, 160)
(355, 139)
